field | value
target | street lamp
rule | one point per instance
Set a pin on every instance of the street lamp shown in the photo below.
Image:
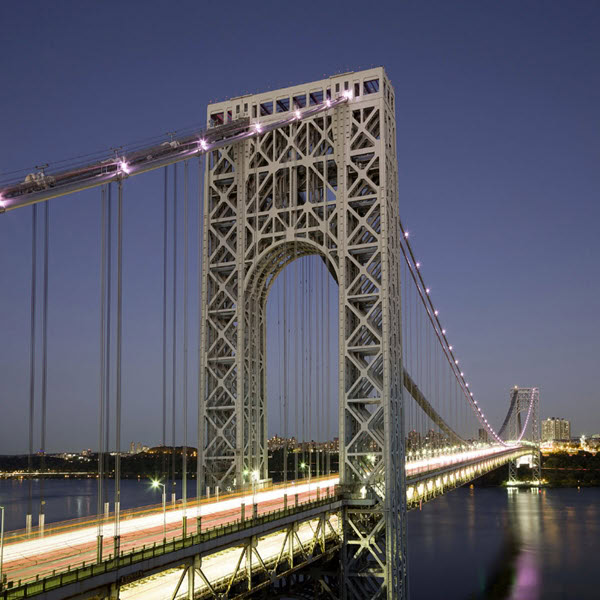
(255, 477)
(156, 484)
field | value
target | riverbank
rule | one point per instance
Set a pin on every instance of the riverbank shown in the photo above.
(558, 469)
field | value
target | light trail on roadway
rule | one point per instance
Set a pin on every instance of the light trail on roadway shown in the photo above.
(58, 549)
(42, 555)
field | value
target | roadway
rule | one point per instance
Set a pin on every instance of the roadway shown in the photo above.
(56, 551)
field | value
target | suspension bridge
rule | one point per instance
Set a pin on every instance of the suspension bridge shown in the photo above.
(300, 245)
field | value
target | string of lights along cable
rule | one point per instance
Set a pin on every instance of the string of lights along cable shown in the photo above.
(274, 344)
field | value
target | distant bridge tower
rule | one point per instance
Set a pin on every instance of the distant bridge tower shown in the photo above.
(525, 412)
(324, 185)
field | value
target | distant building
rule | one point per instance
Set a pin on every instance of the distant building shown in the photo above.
(483, 435)
(414, 440)
(554, 429)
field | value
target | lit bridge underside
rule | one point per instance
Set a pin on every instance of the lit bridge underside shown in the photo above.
(242, 549)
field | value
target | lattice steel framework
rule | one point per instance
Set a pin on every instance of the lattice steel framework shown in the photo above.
(326, 186)
(526, 402)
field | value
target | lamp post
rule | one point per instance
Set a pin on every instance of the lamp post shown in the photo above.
(156, 484)
(255, 478)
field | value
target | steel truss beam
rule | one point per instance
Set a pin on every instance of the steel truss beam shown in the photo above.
(326, 186)
(254, 572)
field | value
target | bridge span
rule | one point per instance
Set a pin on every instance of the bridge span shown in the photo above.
(286, 527)
(306, 175)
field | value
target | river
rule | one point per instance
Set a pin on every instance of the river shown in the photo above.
(473, 543)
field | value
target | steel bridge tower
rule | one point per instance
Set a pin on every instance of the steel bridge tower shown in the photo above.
(525, 402)
(324, 185)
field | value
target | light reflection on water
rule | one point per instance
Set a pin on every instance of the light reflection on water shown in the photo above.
(495, 544)
(488, 544)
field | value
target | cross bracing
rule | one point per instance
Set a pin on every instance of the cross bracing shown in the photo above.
(311, 171)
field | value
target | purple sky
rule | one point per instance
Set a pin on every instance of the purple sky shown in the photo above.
(499, 154)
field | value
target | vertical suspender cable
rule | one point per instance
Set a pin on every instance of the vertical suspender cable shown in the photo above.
(315, 353)
(303, 357)
(327, 374)
(324, 323)
(200, 436)
(119, 360)
(174, 367)
(311, 355)
(164, 328)
(102, 365)
(32, 357)
(298, 290)
(257, 328)
(185, 331)
(107, 390)
(280, 365)
(257, 333)
(285, 380)
(44, 358)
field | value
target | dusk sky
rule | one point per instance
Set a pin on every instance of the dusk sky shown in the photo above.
(498, 120)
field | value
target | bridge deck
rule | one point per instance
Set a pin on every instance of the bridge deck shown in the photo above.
(67, 553)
